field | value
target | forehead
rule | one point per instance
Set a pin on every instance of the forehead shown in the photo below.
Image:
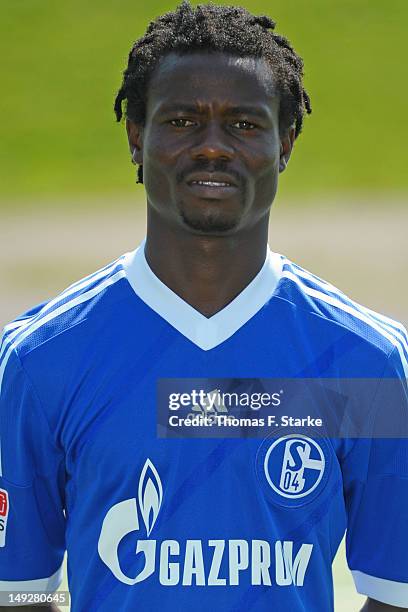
(212, 77)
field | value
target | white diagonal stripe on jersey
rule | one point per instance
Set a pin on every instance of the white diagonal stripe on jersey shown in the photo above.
(396, 326)
(84, 297)
(393, 326)
(386, 320)
(7, 342)
(52, 315)
(100, 273)
(17, 326)
(351, 310)
(95, 275)
(11, 326)
(2, 368)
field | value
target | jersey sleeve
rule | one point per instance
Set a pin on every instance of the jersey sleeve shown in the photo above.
(375, 476)
(32, 472)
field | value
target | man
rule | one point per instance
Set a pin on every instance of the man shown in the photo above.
(214, 103)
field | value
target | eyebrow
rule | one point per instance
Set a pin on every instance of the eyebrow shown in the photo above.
(262, 113)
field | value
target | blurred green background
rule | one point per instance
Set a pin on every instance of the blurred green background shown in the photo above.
(68, 198)
(62, 64)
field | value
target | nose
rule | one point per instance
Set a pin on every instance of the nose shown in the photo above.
(212, 143)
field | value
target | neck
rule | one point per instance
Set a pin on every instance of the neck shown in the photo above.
(207, 272)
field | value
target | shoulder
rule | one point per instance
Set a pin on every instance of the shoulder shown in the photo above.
(74, 305)
(317, 298)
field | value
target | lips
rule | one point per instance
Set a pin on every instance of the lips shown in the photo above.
(215, 180)
(210, 183)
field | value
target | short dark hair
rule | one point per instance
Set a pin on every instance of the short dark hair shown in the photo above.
(211, 27)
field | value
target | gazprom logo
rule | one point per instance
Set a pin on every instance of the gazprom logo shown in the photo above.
(294, 466)
(123, 518)
(213, 562)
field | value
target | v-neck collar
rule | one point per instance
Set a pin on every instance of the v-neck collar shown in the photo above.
(206, 333)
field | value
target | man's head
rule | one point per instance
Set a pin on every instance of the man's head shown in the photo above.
(214, 102)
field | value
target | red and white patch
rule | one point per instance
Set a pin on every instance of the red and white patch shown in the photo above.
(4, 509)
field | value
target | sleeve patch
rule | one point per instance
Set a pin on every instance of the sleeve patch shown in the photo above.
(4, 509)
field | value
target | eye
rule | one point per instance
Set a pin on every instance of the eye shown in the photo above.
(181, 123)
(243, 124)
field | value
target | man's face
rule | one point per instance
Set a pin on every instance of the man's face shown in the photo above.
(210, 146)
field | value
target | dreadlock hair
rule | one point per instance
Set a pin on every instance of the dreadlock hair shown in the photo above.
(210, 27)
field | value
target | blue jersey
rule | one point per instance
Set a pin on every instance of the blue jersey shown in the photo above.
(150, 523)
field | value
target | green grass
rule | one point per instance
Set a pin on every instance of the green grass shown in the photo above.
(63, 64)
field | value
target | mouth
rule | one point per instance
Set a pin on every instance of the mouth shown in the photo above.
(212, 185)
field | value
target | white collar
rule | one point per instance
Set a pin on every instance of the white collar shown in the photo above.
(206, 333)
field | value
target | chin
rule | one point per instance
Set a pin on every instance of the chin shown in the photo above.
(211, 219)
(209, 224)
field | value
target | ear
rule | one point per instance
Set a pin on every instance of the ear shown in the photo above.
(286, 146)
(135, 138)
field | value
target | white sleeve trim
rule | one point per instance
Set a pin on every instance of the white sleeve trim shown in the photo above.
(386, 591)
(43, 585)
